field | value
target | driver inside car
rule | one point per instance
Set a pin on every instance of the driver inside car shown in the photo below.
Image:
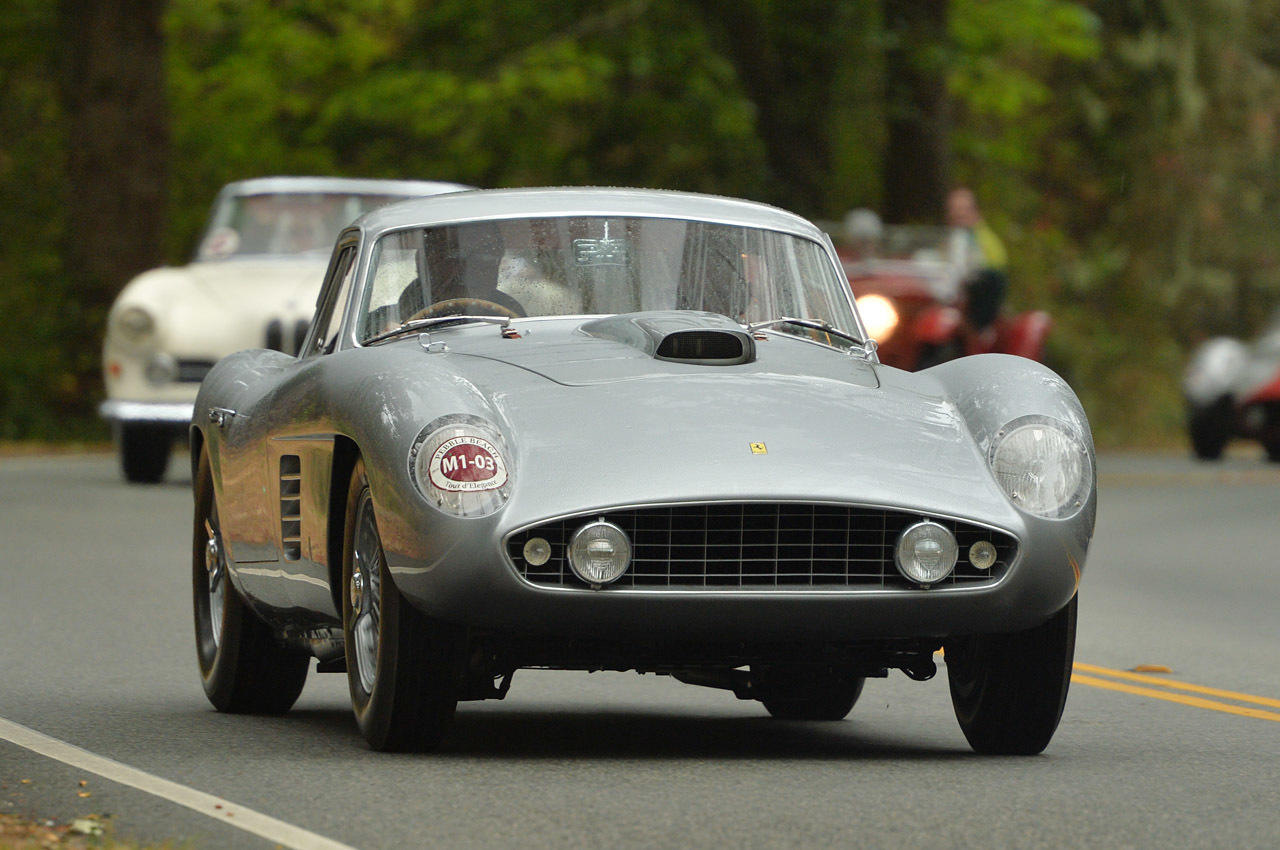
(462, 266)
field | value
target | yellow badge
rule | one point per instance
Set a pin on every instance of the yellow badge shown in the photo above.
(759, 449)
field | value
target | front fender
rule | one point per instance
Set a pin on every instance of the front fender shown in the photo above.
(991, 390)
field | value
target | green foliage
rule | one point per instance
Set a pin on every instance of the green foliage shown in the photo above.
(1128, 152)
(489, 93)
(38, 358)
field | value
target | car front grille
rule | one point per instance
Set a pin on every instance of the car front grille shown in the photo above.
(278, 336)
(192, 371)
(758, 546)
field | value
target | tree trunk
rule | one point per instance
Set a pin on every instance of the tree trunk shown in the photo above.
(916, 164)
(792, 60)
(117, 145)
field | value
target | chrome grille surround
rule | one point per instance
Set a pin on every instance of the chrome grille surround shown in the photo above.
(759, 546)
(193, 371)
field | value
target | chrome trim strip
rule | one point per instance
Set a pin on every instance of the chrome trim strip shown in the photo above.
(764, 591)
(166, 412)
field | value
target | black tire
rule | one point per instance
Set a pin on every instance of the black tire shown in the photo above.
(244, 668)
(1008, 690)
(144, 452)
(1273, 451)
(809, 693)
(405, 701)
(1210, 429)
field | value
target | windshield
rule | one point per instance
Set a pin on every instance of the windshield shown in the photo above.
(601, 265)
(283, 223)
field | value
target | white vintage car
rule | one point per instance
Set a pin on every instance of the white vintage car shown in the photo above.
(252, 284)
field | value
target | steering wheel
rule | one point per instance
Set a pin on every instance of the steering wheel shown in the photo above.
(465, 307)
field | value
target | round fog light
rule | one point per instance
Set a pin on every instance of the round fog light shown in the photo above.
(599, 553)
(537, 551)
(982, 554)
(926, 553)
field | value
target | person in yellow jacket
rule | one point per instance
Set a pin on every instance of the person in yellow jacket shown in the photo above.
(979, 253)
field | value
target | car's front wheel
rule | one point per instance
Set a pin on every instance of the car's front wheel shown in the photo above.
(402, 666)
(808, 693)
(144, 452)
(1008, 690)
(1210, 428)
(243, 667)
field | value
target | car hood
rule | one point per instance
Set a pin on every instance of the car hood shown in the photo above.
(289, 283)
(591, 352)
(214, 308)
(600, 423)
(246, 287)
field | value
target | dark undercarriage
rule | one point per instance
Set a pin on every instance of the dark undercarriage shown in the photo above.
(490, 660)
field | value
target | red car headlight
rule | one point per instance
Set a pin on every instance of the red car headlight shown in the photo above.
(879, 315)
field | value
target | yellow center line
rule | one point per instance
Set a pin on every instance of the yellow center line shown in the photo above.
(1170, 683)
(1183, 699)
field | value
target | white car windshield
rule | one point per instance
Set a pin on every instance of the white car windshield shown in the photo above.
(283, 224)
(591, 265)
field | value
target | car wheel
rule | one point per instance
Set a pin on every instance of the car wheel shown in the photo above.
(243, 666)
(1008, 690)
(1210, 429)
(144, 452)
(401, 665)
(808, 693)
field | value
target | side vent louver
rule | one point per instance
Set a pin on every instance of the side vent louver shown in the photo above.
(291, 506)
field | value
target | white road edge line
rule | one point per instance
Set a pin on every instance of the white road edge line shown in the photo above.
(224, 811)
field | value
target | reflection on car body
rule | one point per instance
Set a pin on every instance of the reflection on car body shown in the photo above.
(627, 430)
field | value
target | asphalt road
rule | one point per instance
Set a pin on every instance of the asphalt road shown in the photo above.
(96, 650)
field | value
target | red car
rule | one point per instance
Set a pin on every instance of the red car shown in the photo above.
(913, 302)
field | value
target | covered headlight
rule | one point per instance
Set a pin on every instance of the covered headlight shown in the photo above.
(135, 325)
(599, 553)
(926, 552)
(461, 465)
(878, 315)
(1043, 467)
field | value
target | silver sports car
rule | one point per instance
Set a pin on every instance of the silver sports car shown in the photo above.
(599, 429)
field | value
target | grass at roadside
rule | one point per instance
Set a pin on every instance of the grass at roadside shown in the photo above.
(89, 833)
(29, 448)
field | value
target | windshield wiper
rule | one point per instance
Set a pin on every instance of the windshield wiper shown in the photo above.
(867, 347)
(434, 322)
(805, 323)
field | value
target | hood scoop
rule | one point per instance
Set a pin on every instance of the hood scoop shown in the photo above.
(703, 339)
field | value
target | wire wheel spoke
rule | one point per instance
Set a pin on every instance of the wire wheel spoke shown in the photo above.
(215, 563)
(366, 596)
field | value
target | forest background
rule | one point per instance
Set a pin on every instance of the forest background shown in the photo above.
(1128, 151)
